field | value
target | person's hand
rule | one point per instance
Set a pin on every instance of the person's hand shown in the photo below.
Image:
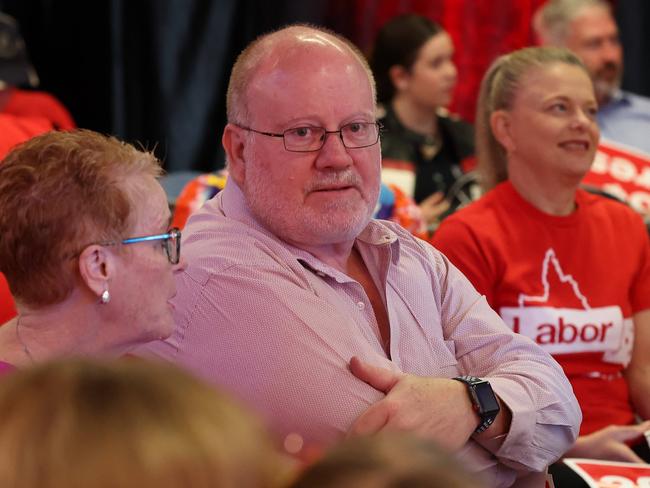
(609, 443)
(433, 207)
(435, 408)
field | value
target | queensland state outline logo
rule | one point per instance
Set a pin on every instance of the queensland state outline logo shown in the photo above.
(570, 330)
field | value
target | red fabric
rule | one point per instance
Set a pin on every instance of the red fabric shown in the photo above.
(569, 283)
(498, 27)
(481, 31)
(14, 130)
(7, 306)
(27, 103)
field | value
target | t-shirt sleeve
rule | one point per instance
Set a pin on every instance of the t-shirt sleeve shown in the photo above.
(464, 249)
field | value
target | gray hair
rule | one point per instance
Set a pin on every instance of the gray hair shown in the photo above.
(551, 21)
(498, 89)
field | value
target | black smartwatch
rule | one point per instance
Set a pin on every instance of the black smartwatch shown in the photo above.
(483, 399)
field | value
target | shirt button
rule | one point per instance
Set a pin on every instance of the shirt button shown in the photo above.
(361, 305)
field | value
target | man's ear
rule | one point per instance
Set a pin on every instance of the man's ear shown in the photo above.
(399, 76)
(97, 268)
(234, 142)
(501, 125)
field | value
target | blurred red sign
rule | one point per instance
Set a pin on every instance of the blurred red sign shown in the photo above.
(623, 172)
(610, 474)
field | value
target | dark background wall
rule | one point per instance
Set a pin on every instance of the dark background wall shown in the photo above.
(156, 71)
(633, 18)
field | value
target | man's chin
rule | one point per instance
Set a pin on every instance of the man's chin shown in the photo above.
(605, 89)
(331, 230)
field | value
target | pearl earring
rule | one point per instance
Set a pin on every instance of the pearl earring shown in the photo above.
(106, 297)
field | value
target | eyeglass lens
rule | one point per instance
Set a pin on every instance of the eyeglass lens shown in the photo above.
(172, 246)
(355, 135)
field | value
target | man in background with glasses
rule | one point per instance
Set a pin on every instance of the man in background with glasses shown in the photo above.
(327, 321)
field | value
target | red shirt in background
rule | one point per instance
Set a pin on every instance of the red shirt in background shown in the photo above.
(13, 131)
(29, 103)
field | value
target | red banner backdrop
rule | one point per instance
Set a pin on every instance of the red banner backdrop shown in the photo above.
(481, 30)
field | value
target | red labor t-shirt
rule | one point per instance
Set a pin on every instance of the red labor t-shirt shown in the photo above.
(571, 284)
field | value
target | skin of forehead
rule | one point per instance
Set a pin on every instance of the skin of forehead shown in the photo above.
(581, 20)
(151, 204)
(303, 38)
(555, 69)
(298, 48)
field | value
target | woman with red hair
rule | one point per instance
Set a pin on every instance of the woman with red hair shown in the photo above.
(86, 248)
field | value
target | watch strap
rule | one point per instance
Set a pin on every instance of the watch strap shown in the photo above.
(486, 420)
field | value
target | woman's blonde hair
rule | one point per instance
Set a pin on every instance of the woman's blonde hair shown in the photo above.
(498, 90)
(80, 424)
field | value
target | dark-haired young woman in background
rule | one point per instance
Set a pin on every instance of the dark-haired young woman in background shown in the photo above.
(423, 148)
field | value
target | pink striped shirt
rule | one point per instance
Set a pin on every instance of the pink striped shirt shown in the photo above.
(276, 327)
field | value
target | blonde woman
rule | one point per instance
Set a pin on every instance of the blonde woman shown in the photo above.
(568, 269)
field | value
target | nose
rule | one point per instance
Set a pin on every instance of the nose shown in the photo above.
(582, 119)
(333, 154)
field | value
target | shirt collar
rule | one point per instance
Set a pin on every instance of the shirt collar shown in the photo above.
(619, 97)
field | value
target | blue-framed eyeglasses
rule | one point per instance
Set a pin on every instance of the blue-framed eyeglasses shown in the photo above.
(356, 135)
(171, 243)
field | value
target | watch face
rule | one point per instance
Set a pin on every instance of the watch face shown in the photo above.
(486, 398)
